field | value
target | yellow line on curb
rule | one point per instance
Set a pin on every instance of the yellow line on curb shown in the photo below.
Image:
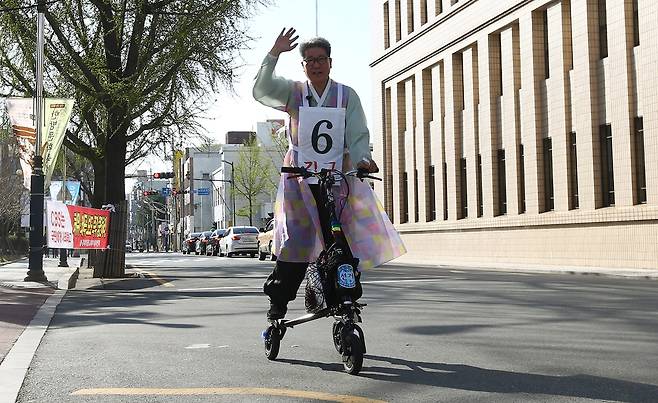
(225, 391)
(158, 279)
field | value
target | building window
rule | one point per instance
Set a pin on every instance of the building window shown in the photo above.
(431, 200)
(405, 198)
(522, 178)
(547, 68)
(387, 33)
(410, 16)
(640, 175)
(438, 7)
(502, 183)
(423, 12)
(463, 189)
(573, 172)
(607, 168)
(479, 186)
(398, 21)
(603, 30)
(445, 191)
(636, 24)
(416, 203)
(549, 197)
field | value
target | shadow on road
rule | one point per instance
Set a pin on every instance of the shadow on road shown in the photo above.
(471, 378)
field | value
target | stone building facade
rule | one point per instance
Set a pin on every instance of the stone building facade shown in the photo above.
(519, 132)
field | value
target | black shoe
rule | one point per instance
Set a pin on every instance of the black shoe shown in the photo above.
(276, 311)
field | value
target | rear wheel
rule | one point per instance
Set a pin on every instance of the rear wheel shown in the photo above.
(272, 342)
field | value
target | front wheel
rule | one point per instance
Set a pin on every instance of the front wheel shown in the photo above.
(272, 339)
(352, 354)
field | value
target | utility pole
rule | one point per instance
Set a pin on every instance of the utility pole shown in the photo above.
(232, 188)
(35, 262)
(64, 191)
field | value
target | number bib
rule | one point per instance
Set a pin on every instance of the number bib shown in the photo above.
(321, 137)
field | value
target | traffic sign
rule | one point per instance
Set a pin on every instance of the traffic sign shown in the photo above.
(203, 191)
(166, 192)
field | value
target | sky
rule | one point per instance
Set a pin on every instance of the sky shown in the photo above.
(345, 23)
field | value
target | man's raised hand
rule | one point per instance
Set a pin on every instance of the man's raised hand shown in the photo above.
(285, 42)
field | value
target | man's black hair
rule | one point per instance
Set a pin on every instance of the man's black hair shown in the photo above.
(316, 43)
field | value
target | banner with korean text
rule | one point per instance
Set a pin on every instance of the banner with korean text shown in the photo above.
(75, 227)
(56, 115)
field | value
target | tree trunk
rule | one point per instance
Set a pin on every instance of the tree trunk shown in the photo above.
(115, 155)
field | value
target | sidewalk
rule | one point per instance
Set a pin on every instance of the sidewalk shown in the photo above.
(528, 268)
(25, 312)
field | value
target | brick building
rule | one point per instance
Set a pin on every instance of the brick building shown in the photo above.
(519, 132)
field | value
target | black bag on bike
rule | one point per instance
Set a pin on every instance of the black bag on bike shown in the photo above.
(335, 272)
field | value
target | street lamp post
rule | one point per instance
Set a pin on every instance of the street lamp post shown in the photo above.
(35, 262)
(232, 188)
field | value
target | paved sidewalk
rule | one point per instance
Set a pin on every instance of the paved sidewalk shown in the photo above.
(648, 273)
(25, 312)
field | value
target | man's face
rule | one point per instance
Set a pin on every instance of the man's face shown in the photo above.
(317, 65)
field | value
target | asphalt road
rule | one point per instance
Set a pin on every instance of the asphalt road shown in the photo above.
(190, 331)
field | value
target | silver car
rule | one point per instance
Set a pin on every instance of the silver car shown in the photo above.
(239, 241)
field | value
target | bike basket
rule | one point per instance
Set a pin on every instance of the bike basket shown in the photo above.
(314, 293)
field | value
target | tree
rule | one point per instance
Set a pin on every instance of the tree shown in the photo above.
(140, 71)
(252, 177)
(13, 195)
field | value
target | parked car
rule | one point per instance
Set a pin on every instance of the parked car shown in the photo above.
(265, 239)
(213, 244)
(239, 240)
(202, 242)
(189, 245)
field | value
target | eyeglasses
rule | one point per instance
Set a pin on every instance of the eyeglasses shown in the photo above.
(319, 60)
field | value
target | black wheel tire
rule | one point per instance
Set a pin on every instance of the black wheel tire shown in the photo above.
(272, 343)
(337, 329)
(272, 257)
(229, 254)
(354, 360)
(252, 255)
(261, 255)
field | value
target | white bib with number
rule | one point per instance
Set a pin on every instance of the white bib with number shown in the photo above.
(321, 132)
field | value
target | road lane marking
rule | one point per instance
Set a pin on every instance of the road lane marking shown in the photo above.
(304, 394)
(160, 281)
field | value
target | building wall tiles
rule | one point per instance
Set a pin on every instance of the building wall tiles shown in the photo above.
(444, 79)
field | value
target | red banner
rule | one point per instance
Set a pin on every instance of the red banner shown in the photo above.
(75, 227)
(90, 227)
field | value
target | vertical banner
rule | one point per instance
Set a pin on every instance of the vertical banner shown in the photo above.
(59, 231)
(57, 113)
(75, 227)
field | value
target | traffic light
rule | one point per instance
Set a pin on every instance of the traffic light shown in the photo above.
(163, 175)
(150, 192)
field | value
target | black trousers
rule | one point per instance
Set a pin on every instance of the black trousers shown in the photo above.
(284, 281)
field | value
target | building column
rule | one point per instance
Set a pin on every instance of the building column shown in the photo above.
(619, 104)
(397, 158)
(424, 152)
(559, 93)
(585, 107)
(531, 68)
(647, 90)
(410, 144)
(437, 135)
(488, 123)
(470, 122)
(453, 128)
(510, 116)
